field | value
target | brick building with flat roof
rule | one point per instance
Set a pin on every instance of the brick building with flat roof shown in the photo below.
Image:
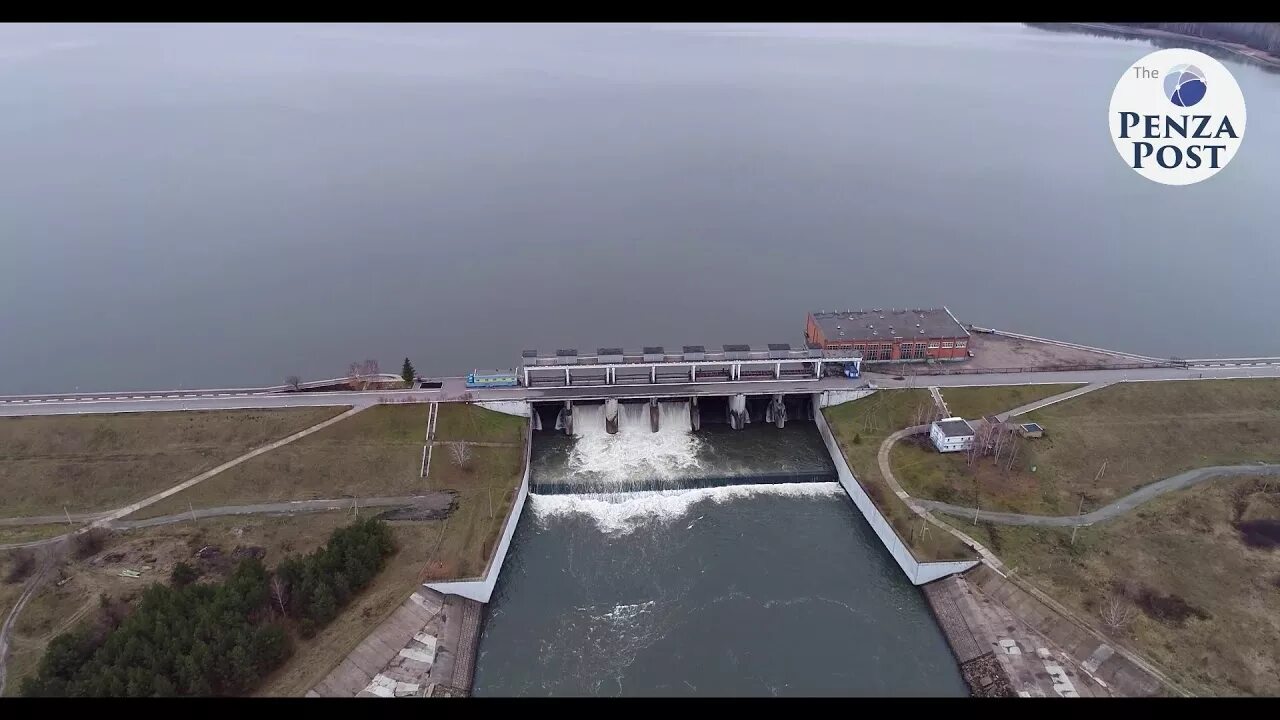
(883, 335)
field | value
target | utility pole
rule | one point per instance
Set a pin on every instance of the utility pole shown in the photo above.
(192, 508)
(64, 509)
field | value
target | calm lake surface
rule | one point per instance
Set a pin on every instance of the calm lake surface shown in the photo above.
(199, 206)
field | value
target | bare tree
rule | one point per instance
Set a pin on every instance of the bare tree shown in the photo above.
(1013, 454)
(293, 381)
(1117, 612)
(1004, 433)
(360, 374)
(461, 453)
(926, 412)
(279, 592)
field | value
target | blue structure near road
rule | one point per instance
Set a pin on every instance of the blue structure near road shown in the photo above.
(497, 378)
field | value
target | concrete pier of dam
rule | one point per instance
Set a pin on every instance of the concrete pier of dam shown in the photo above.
(736, 410)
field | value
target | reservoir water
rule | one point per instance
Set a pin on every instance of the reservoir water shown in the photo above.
(196, 206)
(745, 590)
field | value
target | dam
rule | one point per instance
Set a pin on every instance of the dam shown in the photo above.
(671, 550)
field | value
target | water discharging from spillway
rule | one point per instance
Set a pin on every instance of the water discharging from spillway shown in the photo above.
(636, 457)
(749, 586)
(625, 479)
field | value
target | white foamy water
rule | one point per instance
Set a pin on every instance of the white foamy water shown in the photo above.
(635, 453)
(623, 513)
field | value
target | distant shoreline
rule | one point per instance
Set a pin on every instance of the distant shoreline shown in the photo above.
(1250, 53)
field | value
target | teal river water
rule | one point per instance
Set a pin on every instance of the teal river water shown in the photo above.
(743, 591)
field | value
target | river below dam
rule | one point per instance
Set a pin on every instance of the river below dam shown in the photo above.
(744, 590)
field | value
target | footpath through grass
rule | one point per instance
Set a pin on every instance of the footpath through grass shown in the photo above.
(377, 452)
(860, 427)
(975, 402)
(99, 462)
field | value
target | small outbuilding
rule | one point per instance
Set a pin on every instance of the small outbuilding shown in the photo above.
(1031, 430)
(951, 434)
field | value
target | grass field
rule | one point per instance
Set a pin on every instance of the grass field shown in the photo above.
(459, 421)
(486, 485)
(976, 402)
(377, 452)
(1205, 605)
(99, 462)
(1143, 432)
(859, 428)
(23, 533)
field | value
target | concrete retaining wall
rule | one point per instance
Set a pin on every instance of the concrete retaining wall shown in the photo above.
(917, 572)
(481, 589)
(829, 398)
(508, 407)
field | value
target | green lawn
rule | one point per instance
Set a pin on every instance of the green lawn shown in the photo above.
(859, 428)
(976, 402)
(460, 421)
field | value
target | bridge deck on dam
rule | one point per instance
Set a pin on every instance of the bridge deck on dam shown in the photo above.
(654, 366)
(672, 390)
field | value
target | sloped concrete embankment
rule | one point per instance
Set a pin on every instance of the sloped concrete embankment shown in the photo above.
(917, 572)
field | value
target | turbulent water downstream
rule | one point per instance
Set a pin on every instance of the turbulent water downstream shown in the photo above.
(753, 589)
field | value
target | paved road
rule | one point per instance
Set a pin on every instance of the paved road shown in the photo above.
(1115, 509)
(430, 501)
(454, 390)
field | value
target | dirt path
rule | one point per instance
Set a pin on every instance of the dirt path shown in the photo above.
(439, 501)
(29, 592)
(1115, 509)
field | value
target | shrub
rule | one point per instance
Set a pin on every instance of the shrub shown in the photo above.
(1263, 533)
(89, 542)
(24, 563)
(183, 575)
(1169, 609)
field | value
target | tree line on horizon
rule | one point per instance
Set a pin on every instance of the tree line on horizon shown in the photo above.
(1260, 36)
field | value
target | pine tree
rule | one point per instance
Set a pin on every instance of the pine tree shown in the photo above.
(407, 372)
